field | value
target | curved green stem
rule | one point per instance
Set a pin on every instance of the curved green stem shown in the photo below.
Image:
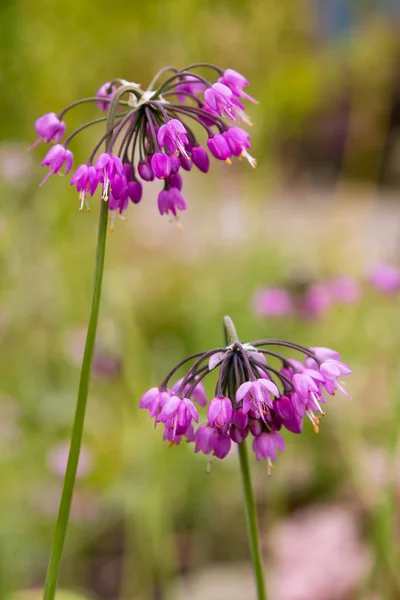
(252, 526)
(77, 430)
(249, 504)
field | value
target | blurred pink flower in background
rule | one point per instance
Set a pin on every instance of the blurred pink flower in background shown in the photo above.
(275, 302)
(318, 554)
(305, 300)
(316, 302)
(386, 278)
(345, 289)
(58, 457)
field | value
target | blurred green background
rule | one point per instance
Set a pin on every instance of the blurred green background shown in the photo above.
(148, 522)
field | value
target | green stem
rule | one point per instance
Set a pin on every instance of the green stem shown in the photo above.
(249, 504)
(77, 430)
(251, 518)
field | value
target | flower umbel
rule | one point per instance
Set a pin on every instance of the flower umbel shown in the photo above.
(149, 132)
(259, 392)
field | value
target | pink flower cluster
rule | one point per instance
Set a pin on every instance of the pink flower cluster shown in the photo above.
(306, 301)
(252, 397)
(146, 138)
(315, 300)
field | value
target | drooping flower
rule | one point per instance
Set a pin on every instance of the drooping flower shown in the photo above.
(256, 395)
(153, 400)
(219, 99)
(178, 413)
(149, 133)
(252, 397)
(56, 158)
(174, 135)
(236, 82)
(171, 200)
(200, 158)
(105, 93)
(265, 446)
(49, 128)
(218, 146)
(219, 412)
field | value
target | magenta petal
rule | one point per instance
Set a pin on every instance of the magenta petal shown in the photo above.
(244, 389)
(170, 407)
(269, 386)
(191, 409)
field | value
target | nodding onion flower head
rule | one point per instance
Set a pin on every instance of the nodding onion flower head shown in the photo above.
(149, 136)
(259, 393)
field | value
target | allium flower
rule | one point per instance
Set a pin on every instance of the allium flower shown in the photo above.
(105, 93)
(236, 82)
(49, 128)
(265, 446)
(219, 147)
(258, 393)
(178, 413)
(275, 302)
(304, 299)
(170, 200)
(56, 158)
(174, 135)
(219, 412)
(149, 133)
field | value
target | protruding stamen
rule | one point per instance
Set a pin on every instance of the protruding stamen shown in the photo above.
(252, 161)
(314, 420)
(84, 201)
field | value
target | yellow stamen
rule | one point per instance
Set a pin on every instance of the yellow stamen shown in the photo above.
(228, 161)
